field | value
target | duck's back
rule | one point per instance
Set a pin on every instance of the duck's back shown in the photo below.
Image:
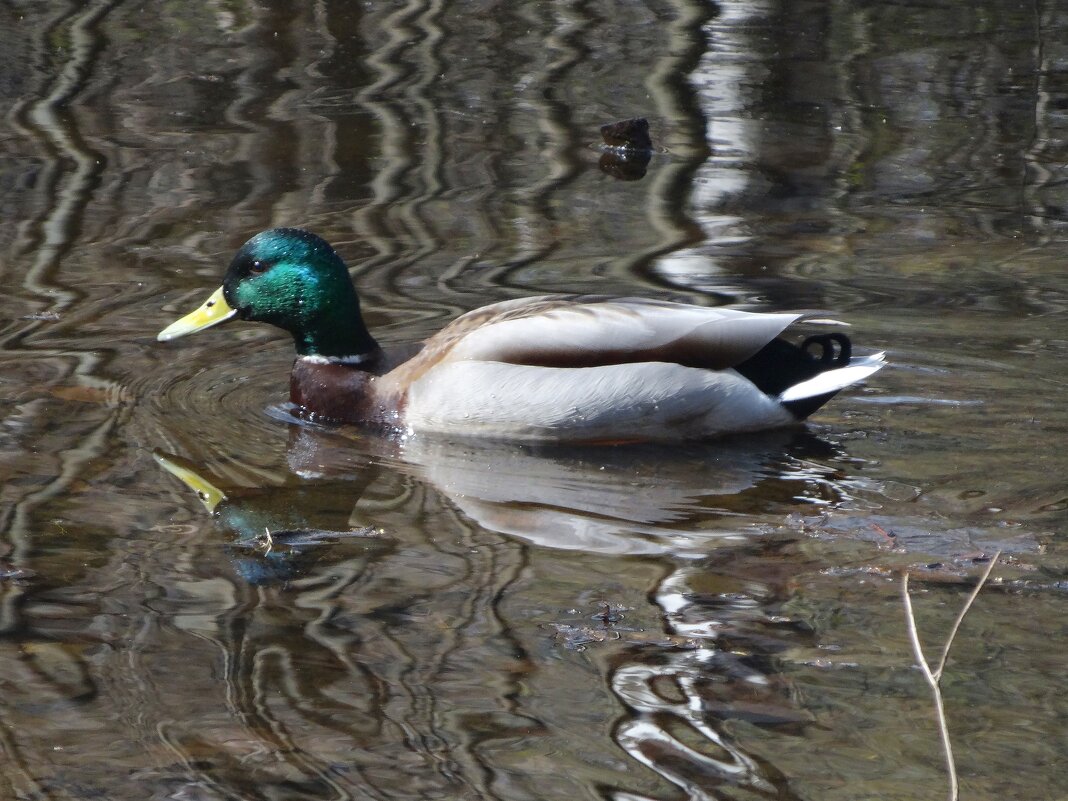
(591, 331)
(591, 368)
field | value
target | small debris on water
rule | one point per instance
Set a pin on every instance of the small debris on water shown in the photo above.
(627, 149)
(50, 316)
(632, 134)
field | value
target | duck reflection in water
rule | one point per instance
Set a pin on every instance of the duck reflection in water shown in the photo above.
(628, 500)
(684, 508)
(275, 538)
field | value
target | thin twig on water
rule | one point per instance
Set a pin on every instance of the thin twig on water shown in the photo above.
(934, 677)
(963, 612)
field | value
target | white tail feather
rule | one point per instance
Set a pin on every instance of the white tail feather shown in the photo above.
(834, 380)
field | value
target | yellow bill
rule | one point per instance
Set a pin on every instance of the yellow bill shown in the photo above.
(210, 495)
(214, 310)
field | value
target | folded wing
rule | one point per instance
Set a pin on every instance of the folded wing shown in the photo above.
(617, 331)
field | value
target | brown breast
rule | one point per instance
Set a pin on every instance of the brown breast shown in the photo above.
(342, 393)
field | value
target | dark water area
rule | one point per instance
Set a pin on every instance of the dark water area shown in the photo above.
(433, 619)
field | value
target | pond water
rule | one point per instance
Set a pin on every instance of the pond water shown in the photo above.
(464, 621)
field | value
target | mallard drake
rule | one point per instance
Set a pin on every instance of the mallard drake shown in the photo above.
(550, 368)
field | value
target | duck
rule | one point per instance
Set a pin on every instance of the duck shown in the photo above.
(551, 368)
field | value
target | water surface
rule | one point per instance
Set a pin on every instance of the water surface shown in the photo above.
(473, 621)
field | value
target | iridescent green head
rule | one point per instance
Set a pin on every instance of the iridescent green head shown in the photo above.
(294, 280)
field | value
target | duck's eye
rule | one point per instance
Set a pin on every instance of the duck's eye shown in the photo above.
(259, 266)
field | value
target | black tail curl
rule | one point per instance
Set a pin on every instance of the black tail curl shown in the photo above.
(828, 355)
(780, 364)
